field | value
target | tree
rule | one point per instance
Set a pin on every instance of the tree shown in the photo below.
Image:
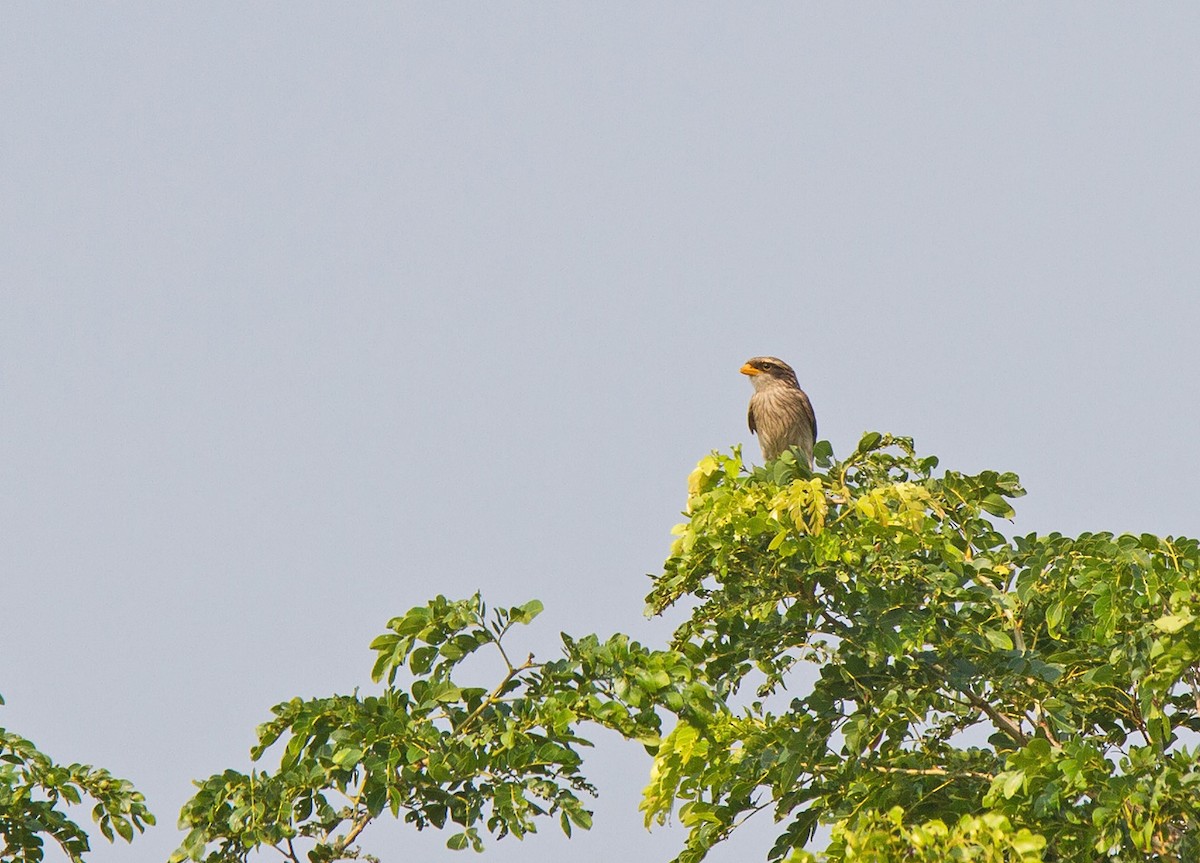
(926, 624)
(865, 650)
(33, 793)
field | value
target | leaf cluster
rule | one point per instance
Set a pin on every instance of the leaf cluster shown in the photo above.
(34, 791)
(434, 750)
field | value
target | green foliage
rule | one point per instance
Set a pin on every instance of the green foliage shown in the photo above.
(905, 674)
(437, 750)
(34, 791)
(989, 838)
(922, 623)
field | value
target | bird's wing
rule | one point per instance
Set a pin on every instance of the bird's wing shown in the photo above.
(750, 419)
(809, 414)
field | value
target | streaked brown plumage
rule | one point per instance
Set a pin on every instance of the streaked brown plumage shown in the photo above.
(780, 412)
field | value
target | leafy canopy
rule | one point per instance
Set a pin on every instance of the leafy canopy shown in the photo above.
(1015, 699)
(487, 759)
(863, 648)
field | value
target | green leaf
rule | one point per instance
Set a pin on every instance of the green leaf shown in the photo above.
(999, 640)
(1170, 623)
(412, 624)
(347, 757)
(383, 662)
(124, 828)
(869, 441)
(1012, 784)
(527, 612)
(579, 816)
(384, 642)
(998, 506)
(444, 691)
(422, 659)
(1054, 617)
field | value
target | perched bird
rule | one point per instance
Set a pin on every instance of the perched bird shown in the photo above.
(780, 412)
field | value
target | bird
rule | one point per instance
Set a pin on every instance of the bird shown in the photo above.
(780, 412)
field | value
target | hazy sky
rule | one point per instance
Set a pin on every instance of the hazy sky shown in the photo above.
(313, 311)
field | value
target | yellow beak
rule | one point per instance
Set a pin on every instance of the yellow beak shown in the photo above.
(748, 369)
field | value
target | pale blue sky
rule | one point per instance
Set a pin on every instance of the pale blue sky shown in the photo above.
(313, 311)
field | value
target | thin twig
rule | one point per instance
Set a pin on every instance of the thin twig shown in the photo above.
(496, 693)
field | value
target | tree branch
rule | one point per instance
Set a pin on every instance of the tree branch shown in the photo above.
(1002, 722)
(496, 693)
(906, 771)
(357, 826)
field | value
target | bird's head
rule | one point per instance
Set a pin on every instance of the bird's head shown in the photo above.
(765, 372)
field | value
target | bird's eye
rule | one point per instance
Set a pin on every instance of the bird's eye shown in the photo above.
(768, 366)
